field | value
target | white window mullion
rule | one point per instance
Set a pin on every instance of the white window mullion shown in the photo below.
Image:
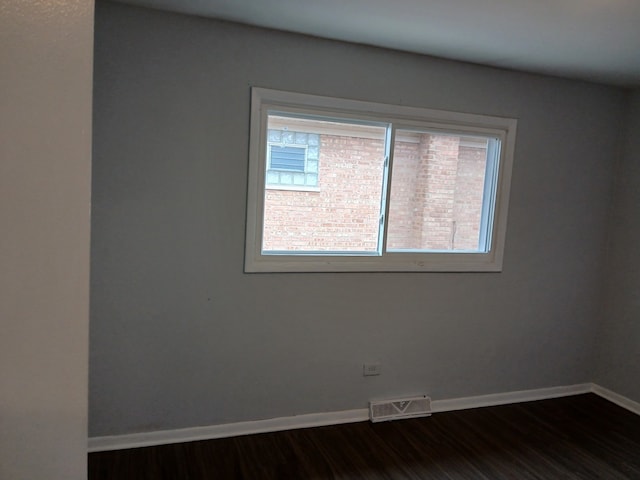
(386, 188)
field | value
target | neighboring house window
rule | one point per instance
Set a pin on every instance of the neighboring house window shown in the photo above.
(402, 188)
(292, 160)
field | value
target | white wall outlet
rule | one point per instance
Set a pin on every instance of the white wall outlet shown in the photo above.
(370, 369)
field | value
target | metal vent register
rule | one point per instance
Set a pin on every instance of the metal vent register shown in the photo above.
(384, 410)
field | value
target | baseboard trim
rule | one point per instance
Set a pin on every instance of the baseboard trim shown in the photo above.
(163, 437)
(505, 398)
(616, 398)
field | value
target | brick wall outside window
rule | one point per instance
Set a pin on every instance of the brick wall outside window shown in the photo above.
(435, 202)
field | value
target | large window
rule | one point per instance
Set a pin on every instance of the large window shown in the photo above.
(341, 185)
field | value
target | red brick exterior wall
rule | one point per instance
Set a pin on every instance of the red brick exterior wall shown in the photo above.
(436, 194)
(435, 202)
(344, 214)
(468, 195)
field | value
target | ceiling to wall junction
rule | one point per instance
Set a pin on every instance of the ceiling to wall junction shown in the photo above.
(594, 40)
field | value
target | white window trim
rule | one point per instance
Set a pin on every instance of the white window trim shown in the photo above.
(402, 117)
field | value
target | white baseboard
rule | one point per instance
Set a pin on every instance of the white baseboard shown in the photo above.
(162, 437)
(508, 397)
(616, 398)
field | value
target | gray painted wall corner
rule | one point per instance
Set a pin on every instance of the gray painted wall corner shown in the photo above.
(181, 337)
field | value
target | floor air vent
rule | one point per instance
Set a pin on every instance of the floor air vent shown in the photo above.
(401, 408)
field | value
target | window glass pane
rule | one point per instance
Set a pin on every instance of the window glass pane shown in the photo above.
(437, 192)
(333, 203)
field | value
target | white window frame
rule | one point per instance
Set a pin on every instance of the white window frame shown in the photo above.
(401, 117)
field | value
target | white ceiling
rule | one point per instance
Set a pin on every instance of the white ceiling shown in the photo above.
(596, 40)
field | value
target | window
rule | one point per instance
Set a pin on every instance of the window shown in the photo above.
(342, 185)
(292, 157)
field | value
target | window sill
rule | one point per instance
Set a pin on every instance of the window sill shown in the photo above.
(294, 188)
(390, 262)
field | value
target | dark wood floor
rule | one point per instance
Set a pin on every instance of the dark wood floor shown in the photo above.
(580, 437)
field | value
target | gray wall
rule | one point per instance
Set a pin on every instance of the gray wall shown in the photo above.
(619, 362)
(180, 336)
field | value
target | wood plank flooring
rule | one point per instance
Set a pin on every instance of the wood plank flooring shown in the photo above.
(579, 437)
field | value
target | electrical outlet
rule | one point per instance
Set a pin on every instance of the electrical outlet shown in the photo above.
(371, 369)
